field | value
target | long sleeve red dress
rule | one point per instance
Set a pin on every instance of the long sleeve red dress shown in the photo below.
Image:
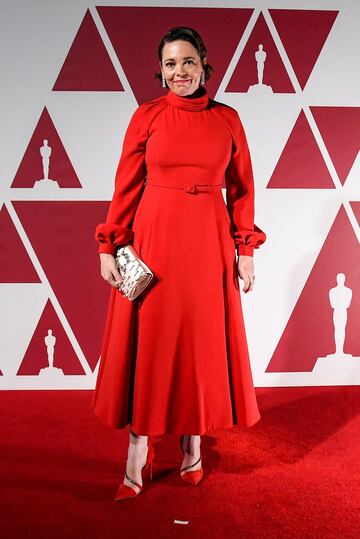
(175, 359)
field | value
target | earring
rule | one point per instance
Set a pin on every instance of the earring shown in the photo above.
(202, 79)
(163, 81)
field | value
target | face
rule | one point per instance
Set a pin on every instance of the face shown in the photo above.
(181, 66)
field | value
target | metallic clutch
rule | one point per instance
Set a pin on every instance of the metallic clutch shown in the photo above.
(135, 273)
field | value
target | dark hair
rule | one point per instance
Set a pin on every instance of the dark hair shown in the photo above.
(186, 34)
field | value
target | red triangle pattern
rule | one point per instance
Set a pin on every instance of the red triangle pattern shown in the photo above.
(15, 266)
(309, 331)
(356, 209)
(139, 28)
(70, 225)
(303, 33)
(87, 66)
(301, 165)
(340, 130)
(63, 237)
(36, 357)
(60, 167)
(245, 73)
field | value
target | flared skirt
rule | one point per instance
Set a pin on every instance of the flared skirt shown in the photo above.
(176, 359)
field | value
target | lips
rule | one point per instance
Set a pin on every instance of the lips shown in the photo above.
(182, 81)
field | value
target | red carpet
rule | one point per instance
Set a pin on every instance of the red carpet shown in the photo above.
(295, 474)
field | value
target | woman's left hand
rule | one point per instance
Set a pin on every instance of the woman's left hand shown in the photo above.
(245, 265)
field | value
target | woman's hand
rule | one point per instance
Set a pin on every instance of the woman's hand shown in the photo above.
(108, 270)
(245, 265)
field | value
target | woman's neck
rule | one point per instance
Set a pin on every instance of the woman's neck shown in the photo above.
(198, 93)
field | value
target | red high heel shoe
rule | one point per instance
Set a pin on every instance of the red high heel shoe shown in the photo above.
(124, 491)
(193, 477)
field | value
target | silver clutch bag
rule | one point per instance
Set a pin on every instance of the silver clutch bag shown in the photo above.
(135, 274)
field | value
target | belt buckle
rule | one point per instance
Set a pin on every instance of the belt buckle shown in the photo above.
(189, 188)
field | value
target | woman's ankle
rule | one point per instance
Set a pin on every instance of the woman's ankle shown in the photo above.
(191, 444)
(138, 440)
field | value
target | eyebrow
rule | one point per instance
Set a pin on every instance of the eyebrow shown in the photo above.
(186, 58)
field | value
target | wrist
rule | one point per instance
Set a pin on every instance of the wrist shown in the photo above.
(106, 248)
(245, 250)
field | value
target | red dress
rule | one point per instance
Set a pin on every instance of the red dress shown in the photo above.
(175, 360)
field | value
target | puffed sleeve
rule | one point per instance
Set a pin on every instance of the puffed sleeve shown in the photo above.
(129, 182)
(240, 193)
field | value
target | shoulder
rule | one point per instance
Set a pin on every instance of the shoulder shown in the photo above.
(227, 112)
(143, 116)
(228, 115)
(150, 109)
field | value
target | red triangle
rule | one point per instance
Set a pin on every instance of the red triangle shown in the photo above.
(87, 66)
(309, 331)
(301, 165)
(245, 73)
(356, 209)
(31, 167)
(36, 357)
(138, 29)
(303, 33)
(15, 266)
(340, 129)
(62, 234)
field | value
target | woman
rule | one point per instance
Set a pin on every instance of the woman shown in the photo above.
(175, 360)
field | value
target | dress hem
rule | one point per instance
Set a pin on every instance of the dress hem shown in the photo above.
(163, 432)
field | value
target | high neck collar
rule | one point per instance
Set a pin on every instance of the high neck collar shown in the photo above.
(189, 103)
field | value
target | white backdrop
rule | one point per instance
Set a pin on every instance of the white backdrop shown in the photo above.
(311, 219)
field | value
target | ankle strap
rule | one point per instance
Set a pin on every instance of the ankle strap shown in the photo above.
(132, 481)
(191, 465)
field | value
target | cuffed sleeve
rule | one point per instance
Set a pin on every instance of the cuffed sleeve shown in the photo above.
(240, 193)
(129, 183)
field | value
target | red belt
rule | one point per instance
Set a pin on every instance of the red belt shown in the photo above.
(191, 188)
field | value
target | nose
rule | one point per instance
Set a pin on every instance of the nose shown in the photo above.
(180, 70)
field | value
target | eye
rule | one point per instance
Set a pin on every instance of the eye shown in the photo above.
(171, 64)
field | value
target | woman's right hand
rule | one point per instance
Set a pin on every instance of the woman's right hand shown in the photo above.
(108, 270)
